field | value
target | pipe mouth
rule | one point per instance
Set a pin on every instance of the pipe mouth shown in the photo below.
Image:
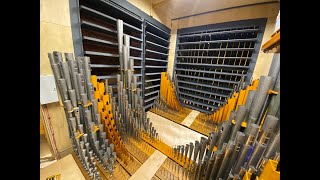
(254, 125)
(219, 154)
(252, 118)
(270, 123)
(261, 145)
(252, 169)
(236, 177)
(239, 135)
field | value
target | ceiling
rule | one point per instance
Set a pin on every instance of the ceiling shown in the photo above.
(172, 9)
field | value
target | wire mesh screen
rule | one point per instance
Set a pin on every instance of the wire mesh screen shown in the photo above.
(213, 61)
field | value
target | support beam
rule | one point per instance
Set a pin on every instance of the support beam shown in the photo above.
(150, 167)
(172, 133)
(190, 118)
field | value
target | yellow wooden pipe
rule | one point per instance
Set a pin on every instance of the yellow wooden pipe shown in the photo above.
(100, 106)
(94, 81)
(245, 95)
(225, 111)
(269, 171)
(101, 88)
(96, 94)
(240, 98)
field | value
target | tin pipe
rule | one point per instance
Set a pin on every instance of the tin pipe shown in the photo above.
(273, 146)
(212, 142)
(241, 113)
(224, 133)
(226, 159)
(259, 98)
(256, 154)
(242, 158)
(216, 164)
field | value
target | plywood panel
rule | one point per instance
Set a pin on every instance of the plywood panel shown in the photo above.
(66, 166)
(264, 59)
(53, 37)
(180, 8)
(145, 6)
(59, 125)
(55, 11)
(172, 133)
(190, 118)
(172, 51)
(251, 12)
(149, 167)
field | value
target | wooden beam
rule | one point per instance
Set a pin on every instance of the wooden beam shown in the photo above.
(273, 45)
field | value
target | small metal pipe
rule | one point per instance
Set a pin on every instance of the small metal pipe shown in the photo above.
(209, 167)
(277, 157)
(226, 159)
(259, 98)
(261, 165)
(256, 154)
(190, 153)
(249, 99)
(267, 129)
(242, 158)
(63, 86)
(216, 164)
(186, 153)
(230, 177)
(241, 113)
(239, 141)
(196, 151)
(73, 124)
(251, 134)
(236, 177)
(66, 74)
(224, 133)
(182, 152)
(212, 142)
(203, 146)
(242, 172)
(201, 169)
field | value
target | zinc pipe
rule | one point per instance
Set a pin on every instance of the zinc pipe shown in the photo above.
(224, 136)
(274, 68)
(244, 152)
(239, 141)
(66, 75)
(209, 167)
(259, 98)
(257, 153)
(240, 115)
(226, 159)
(216, 164)
(273, 146)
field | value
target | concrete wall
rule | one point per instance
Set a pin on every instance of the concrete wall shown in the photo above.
(55, 35)
(269, 11)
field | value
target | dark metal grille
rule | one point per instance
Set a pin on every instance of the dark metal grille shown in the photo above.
(212, 61)
(156, 60)
(98, 21)
(95, 34)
